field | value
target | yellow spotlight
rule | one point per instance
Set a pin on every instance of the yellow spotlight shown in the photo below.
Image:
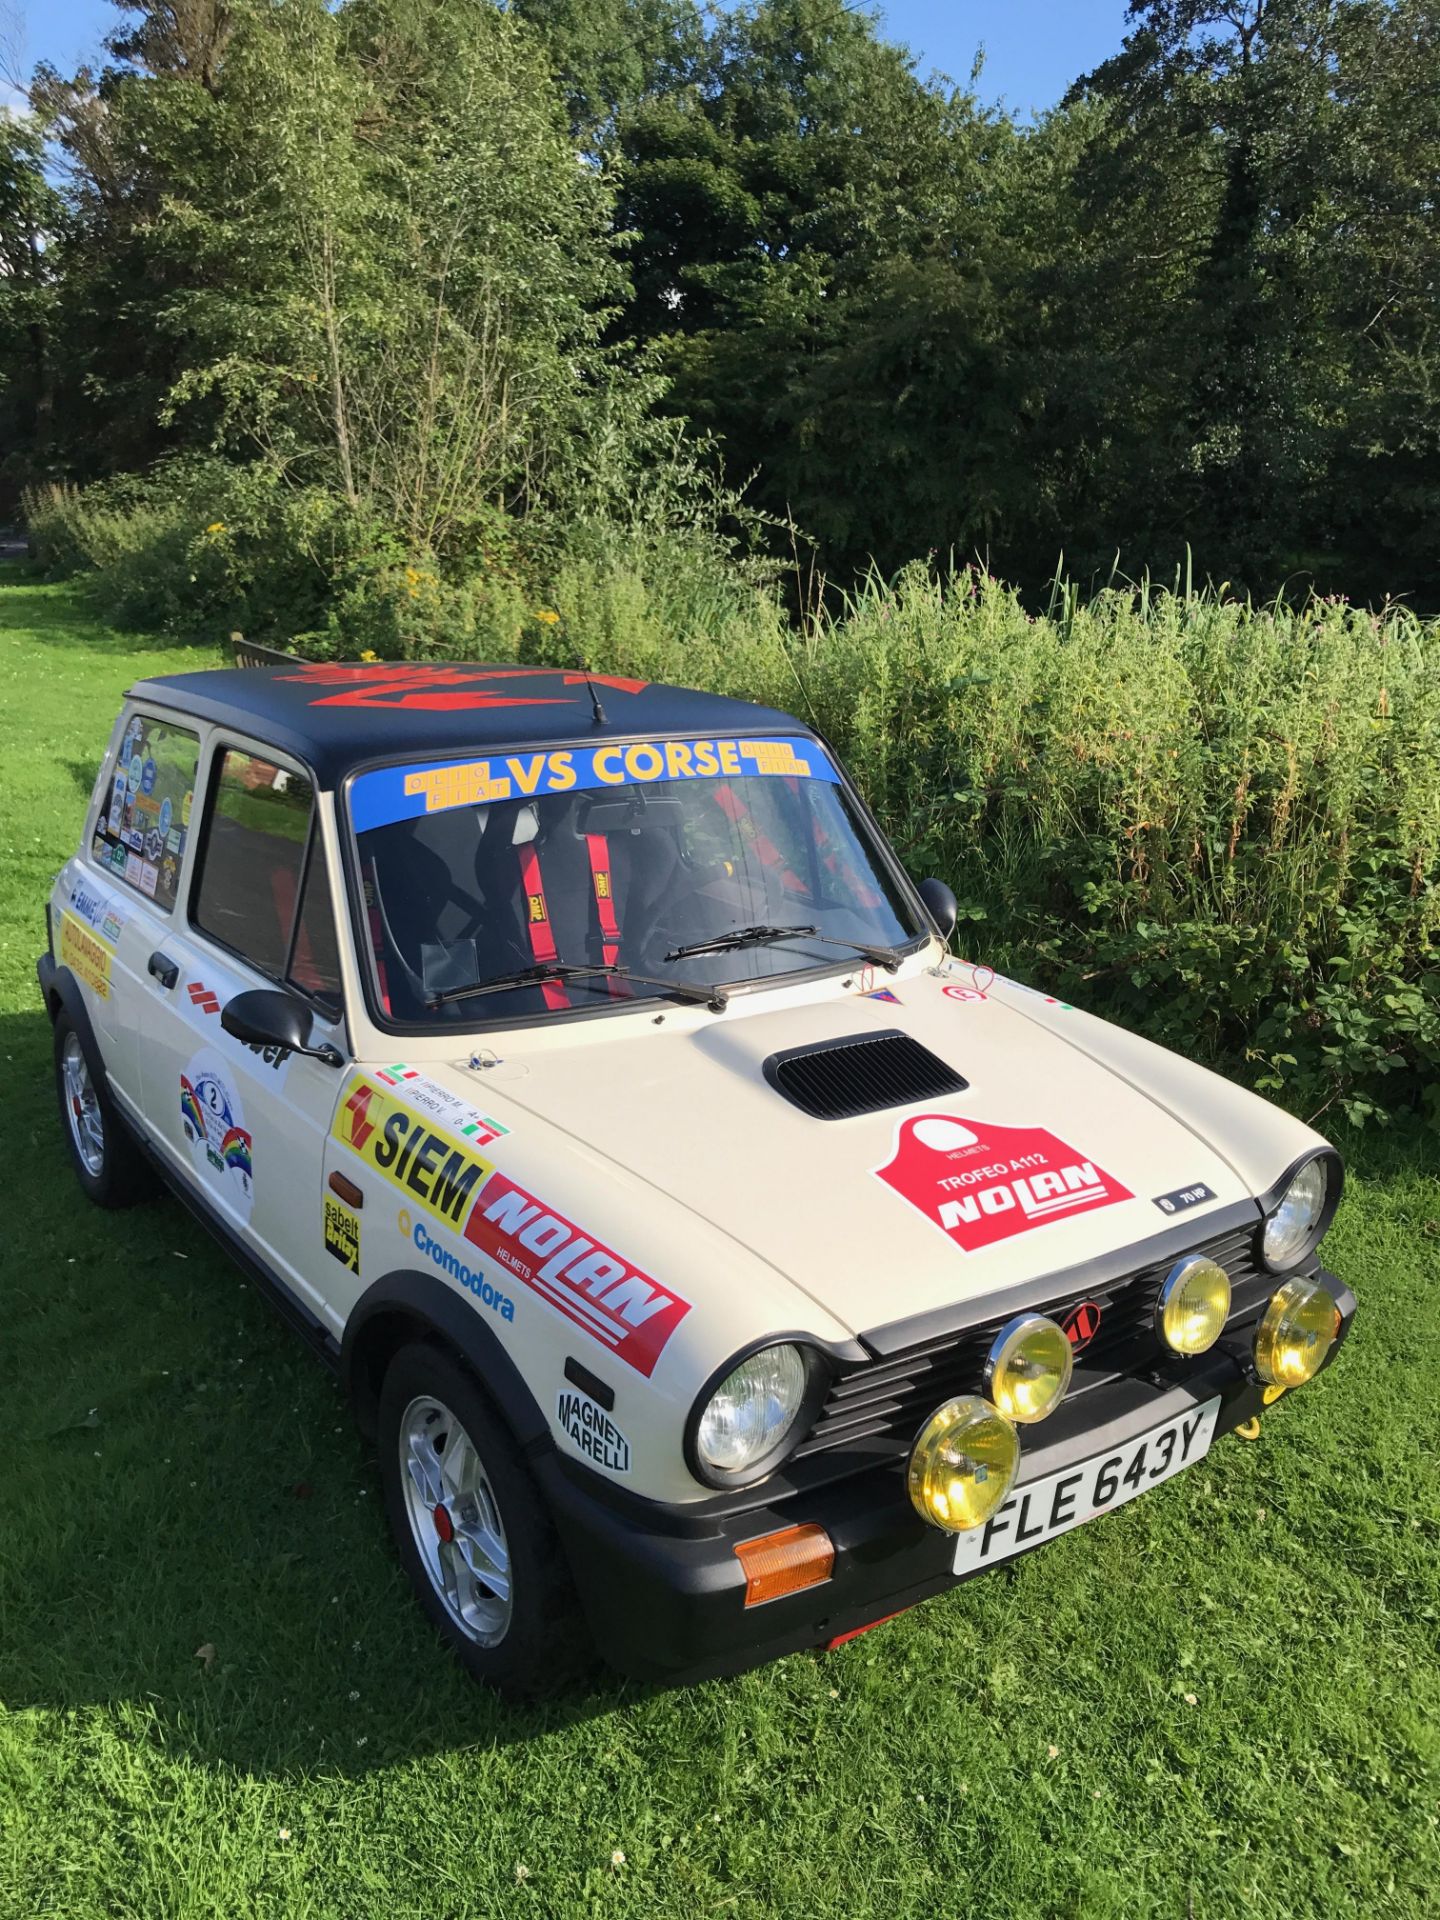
(1028, 1368)
(1194, 1305)
(963, 1464)
(1297, 1332)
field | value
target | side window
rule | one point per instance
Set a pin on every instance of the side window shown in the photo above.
(143, 824)
(263, 889)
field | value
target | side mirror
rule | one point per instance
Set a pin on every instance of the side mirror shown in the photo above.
(265, 1017)
(941, 905)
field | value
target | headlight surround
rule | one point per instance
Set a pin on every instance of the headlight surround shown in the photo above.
(1028, 1368)
(1296, 1334)
(1302, 1212)
(963, 1464)
(1194, 1305)
(740, 1425)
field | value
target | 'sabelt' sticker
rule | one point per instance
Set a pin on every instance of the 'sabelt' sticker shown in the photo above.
(981, 1183)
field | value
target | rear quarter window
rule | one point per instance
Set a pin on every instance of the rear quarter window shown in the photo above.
(263, 889)
(144, 820)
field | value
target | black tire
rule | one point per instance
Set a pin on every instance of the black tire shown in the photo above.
(123, 1176)
(544, 1643)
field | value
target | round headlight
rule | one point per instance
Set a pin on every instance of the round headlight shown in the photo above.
(752, 1410)
(1028, 1368)
(1194, 1305)
(963, 1464)
(1298, 1330)
(1291, 1225)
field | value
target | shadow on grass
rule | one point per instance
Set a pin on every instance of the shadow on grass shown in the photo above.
(70, 614)
(191, 1535)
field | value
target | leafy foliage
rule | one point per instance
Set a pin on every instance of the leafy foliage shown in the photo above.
(413, 329)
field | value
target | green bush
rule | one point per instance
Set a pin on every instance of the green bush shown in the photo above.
(1217, 823)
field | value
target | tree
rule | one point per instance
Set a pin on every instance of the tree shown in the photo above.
(1238, 100)
(356, 244)
(32, 221)
(816, 260)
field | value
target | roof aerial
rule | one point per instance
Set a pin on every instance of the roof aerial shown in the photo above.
(338, 715)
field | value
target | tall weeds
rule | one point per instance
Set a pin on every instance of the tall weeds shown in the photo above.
(1217, 822)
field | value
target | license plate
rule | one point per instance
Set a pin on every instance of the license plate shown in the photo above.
(1042, 1508)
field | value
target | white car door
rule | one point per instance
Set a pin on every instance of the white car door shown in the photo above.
(116, 901)
(246, 1126)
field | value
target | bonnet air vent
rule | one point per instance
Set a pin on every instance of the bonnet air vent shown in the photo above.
(864, 1073)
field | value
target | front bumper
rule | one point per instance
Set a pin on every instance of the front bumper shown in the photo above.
(665, 1599)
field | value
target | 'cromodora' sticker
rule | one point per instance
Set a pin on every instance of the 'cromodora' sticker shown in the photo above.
(213, 1123)
(981, 1183)
(593, 1431)
(471, 1278)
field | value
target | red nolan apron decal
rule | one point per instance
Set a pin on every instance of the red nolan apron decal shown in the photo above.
(614, 1302)
(980, 1183)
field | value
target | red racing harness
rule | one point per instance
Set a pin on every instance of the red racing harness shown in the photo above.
(598, 850)
(543, 950)
(769, 855)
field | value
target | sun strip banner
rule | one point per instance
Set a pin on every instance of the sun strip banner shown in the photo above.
(405, 793)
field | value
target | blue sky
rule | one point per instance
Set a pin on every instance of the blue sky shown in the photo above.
(1033, 48)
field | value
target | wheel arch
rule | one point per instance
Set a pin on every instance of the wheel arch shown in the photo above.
(62, 994)
(406, 1306)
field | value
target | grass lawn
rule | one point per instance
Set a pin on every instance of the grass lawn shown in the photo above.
(1224, 1700)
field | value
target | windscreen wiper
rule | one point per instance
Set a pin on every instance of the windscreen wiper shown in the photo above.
(541, 971)
(886, 957)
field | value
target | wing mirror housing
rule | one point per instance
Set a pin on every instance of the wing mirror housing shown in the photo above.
(266, 1017)
(941, 905)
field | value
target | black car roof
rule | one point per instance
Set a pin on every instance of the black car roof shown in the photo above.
(339, 715)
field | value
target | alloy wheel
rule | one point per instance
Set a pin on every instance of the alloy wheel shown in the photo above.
(455, 1520)
(82, 1108)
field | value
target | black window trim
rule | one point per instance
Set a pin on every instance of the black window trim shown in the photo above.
(222, 741)
(606, 1007)
(166, 717)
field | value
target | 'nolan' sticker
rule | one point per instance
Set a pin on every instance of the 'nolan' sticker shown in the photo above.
(614, 1302)
(981, 1183)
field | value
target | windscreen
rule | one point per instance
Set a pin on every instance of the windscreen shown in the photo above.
(617, 858)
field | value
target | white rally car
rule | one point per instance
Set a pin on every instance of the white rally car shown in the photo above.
(718, 1263)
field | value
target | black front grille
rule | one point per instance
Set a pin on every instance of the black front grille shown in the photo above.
(879, 1407)
(862, 1074)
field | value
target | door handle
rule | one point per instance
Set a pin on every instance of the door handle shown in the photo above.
(164, 969)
